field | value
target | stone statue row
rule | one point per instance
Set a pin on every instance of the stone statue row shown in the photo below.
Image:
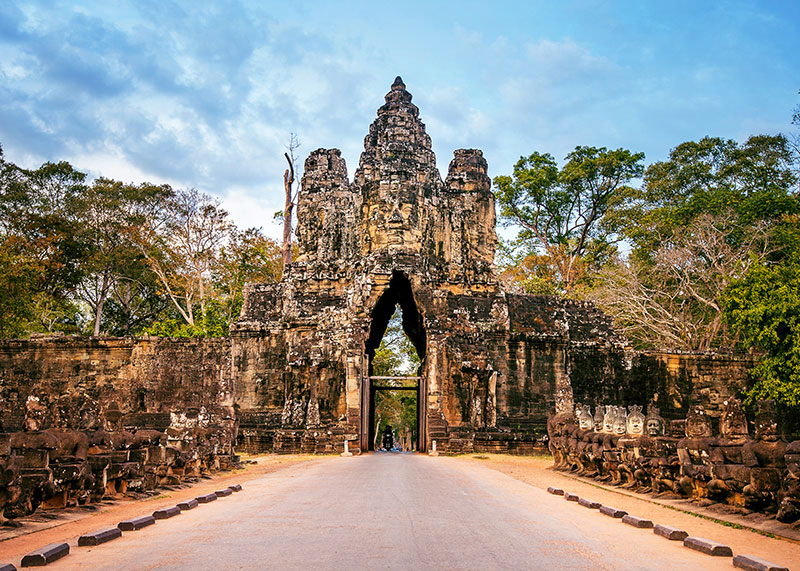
(52, 466)
(625, 447)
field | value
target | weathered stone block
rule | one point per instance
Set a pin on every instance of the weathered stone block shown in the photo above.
(35, 458)
(98, 537)
(235, 488)
(138, 455)
(68, 472)
(612, 512)
(752, 563)
(157, 455)
(188, 505)
(555, 491)
(45, 555)
(136, 523)
(5, 444)
(224, 493)
(589, 504)
(637, 522)
(708, 547)
(207, 498)
(671, 533)
(167, 513)
(7, 567)
(571, 497)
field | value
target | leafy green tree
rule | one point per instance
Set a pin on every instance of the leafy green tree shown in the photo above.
(698, 223)
(41, 247)
(765, 306)
(560, 211)
(752, 182)
(247, 257)
(111, 214)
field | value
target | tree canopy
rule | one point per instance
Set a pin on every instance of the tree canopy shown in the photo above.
(560, 211)
(110, 258)
(696, 252)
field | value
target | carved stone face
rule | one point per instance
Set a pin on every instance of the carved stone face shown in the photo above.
(598, 419)
(766, 421)
(733, 423)
(697, 423)
(585, 421)
(635, 424)
(655, 424)
(655, 427)
(619, 420)
(608, 422)
(635, 420)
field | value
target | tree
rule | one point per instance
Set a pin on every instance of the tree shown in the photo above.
(765, 306)
(560, 212)
(675, 300)
(111, 214)
(181, 248)
(41, 247)
(698, 222)
(752, 182)
(291, 197)
(248, 256)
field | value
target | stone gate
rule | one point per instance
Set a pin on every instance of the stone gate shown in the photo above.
(493, 364)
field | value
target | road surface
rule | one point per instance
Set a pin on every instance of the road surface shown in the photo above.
(389, 511)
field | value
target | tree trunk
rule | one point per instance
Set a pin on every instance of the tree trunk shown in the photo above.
(286, 246)
(101, 301)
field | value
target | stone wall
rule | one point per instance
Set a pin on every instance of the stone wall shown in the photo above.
(81, 419)
(672, 381)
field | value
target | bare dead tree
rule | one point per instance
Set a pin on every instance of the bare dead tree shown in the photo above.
(675, 302)
(291, 197)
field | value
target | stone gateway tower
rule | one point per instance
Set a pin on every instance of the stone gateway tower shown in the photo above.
(493, 364)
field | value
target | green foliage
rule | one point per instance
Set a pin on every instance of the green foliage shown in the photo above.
(765, 306)
(121, 259)
(397, 409)
(560, 212)
(41, 247)
(699, 221)
(247, 257)
(396, 355)
(386, 361)
(753, 182)
(212, 323)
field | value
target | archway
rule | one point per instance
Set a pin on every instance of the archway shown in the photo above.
(398, 295)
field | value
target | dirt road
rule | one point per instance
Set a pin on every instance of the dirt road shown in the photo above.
(390, 511)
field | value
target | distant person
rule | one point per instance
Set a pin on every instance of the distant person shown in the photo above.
(388, 437)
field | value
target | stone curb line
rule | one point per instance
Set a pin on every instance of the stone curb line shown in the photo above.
(98, 537)
(188, 505)
(700, 544)
(755, 564)
(136, 523)
(659, 502)
(167, 513)
(45, 555)
(55, 551)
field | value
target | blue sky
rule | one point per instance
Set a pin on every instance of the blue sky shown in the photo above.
(205, 94)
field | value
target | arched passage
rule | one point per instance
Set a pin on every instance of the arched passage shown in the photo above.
(398, 294)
